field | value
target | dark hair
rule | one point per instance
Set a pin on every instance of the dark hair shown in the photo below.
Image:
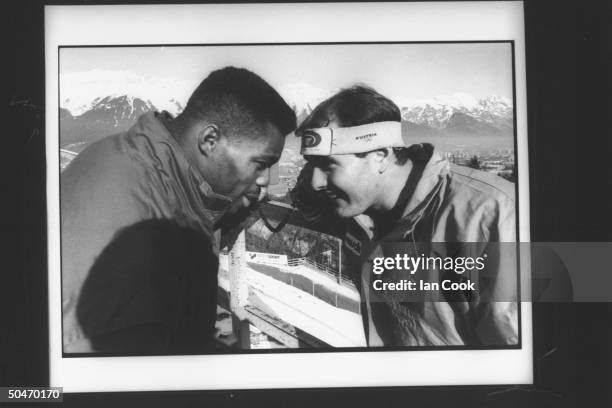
(237, 99)
(354, 106)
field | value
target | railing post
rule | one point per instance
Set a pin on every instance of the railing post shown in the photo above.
(239, 290)
(340, 263)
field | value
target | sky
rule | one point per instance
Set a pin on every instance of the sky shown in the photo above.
(400, 71)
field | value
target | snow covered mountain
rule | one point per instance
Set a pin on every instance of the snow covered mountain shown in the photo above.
(300, 96)
(458, 114)
(88, 96)
(83, 121)
(106, 115)
(80, 91)
(462, 114)
(128, 101)
(117, 109)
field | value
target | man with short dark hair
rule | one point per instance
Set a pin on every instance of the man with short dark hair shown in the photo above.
(361, 159)
(142, 212)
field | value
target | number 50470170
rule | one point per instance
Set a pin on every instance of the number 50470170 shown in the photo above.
(8, 394)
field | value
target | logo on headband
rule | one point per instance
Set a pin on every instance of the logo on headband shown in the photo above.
(310, 139)
(366, 138)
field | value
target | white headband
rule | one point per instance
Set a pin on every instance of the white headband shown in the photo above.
(347, 140)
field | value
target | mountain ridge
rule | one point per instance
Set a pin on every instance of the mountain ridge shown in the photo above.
(458, 114)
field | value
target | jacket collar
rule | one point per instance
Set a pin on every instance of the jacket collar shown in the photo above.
(436, 168)
(425, 191)
(433, 168)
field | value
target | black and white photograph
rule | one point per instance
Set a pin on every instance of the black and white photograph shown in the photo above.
(300, 191)
(199, 214)
(307, 204)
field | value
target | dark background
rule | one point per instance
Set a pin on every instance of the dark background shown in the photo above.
(570, 154)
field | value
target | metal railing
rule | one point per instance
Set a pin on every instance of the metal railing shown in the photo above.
(320, 268)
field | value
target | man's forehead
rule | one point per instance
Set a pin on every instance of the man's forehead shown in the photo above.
(264, 152)
(258, 130)
(271, 129)
(267, 138)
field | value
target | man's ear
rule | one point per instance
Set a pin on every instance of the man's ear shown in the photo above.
(208, 139)
(382, 158)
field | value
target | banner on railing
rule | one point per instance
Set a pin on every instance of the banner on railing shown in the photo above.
(261, 257)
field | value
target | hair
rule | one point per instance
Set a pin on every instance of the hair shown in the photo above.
(238, 100)
(355, 106)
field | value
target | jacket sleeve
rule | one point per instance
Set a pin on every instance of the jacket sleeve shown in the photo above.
(152, 289)
(99, 196)
(131, 281)
(497, 322)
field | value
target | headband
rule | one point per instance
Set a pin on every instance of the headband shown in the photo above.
(356, 139)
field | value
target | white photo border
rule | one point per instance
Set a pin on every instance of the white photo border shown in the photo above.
(286, 23)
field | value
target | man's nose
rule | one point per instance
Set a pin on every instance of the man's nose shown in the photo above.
(264, 179)
(262, 182)
(319, 179)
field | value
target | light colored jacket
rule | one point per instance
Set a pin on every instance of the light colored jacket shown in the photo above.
(452, 204)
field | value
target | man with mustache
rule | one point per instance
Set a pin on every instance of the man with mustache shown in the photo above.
(142, 214)
(359, 161)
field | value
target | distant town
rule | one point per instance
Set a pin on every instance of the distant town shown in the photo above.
(498, 161)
